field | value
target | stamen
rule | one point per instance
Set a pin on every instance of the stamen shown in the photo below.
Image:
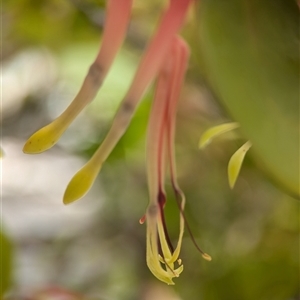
(168, 267)
(152, 252)
(142, 219)
(178, 198)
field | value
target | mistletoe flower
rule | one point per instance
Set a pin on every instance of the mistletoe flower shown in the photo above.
(160, 154)
(166, 56)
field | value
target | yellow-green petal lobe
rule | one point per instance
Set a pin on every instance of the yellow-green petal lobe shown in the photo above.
(81, 182)
(235, 163)
(159, 272)
(215, 131)
(45, 138)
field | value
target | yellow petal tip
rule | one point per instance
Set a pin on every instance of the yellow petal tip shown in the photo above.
(43, 139)
(81, 183)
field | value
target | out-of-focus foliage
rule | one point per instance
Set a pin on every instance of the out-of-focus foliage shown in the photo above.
(251, 232)
(251, 54)
(5, 263)
(49, 23)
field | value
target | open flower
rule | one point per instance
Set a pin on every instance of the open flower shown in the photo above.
(166, 57)
(160, 154)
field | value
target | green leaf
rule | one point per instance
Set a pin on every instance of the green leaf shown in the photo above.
(251, 54)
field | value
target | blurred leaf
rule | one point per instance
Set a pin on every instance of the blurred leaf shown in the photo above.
(53, 23)
(251, 52)
(5, 263)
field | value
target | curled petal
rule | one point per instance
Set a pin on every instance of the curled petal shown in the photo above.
(235, 163)
(154, 261)
(215, 131)
(152, 255)
(118, 13)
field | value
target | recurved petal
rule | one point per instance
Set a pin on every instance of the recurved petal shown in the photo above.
(235, 163)
(215, 131)
(152, 258)
(157, 270)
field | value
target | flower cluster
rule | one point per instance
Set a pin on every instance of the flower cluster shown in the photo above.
(165, 58)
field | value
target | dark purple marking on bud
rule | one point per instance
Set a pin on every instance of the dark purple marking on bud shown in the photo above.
(96, 74)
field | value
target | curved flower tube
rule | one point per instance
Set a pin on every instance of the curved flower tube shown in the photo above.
(117, 19)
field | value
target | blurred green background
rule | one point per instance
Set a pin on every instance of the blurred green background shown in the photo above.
(95, 249)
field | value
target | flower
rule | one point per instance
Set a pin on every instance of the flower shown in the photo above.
(160, 153)
(166, 57)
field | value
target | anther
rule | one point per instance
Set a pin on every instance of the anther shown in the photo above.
(142, 219)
